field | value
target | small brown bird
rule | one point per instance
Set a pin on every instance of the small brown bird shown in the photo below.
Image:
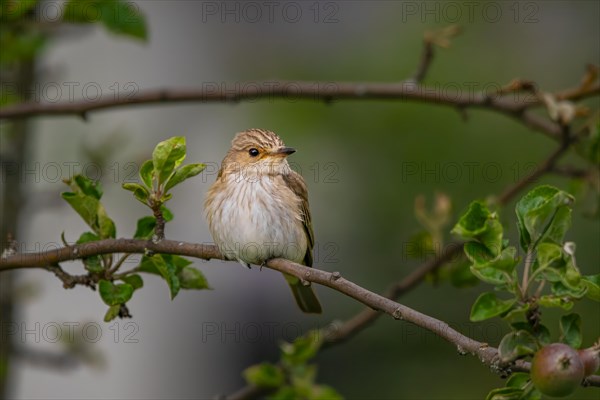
(257, 209)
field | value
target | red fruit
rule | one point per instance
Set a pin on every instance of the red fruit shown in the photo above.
(557, 370)
(590, 359)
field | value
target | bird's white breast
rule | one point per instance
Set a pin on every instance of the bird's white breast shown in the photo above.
(252, 220)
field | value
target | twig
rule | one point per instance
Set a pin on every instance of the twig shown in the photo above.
(159, 229)
(70, 281)
(425, 62)
(118, 264)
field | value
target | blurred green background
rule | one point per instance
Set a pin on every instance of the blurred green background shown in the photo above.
(365, 162)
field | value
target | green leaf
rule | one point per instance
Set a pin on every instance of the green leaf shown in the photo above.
(516, 345)
(145, 228)
(106, 226)
(560, 289)
(147, 173)
(531, 393)
(167, 214)
(264, 375)
(488, 305)
(490, 275)
(302, 349)
(554, 301)
(167, 156)
(183, 173)
(419, 245)
(139, 191)
(516, 311)
(477, 253)
(85, 206)
(165, 267)
(536, 213)
(85, 201)
(549, 255)
(118, 16)
(302, 378)
(87, 237)
(505, 393)
(324, 392)
(148, 265)
(570, 330)
(19, 45)
(284, 393)
(112, 313)
(14, 10)
(521, 380)
(558, 228)
(93, 263)
(178, 261)
(84, 185)
(134, 280)
(480, 224)
(592, 283)
(505, 261)
(517, 380)
(460, 274)
(115, 294)
(191, 278)
(542, 334)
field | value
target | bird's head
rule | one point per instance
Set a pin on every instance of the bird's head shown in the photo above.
(257, 152)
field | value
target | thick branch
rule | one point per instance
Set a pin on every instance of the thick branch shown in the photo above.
(109, 246)
(487, 355)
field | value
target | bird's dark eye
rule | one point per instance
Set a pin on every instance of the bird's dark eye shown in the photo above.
(253, 152)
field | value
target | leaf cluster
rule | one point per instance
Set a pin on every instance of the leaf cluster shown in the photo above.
(547, 276)
(159, 175)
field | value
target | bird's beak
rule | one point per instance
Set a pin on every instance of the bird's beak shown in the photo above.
(284, 151)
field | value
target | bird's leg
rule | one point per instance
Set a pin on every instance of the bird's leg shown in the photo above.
(264, 264)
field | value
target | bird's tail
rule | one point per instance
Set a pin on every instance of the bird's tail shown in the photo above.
(305, 296)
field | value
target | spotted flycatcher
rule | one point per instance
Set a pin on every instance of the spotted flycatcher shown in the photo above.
(257, 209)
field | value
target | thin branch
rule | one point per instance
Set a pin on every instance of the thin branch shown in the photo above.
(488, 355)
(309, 90)
(547, 165)
(570, 171)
